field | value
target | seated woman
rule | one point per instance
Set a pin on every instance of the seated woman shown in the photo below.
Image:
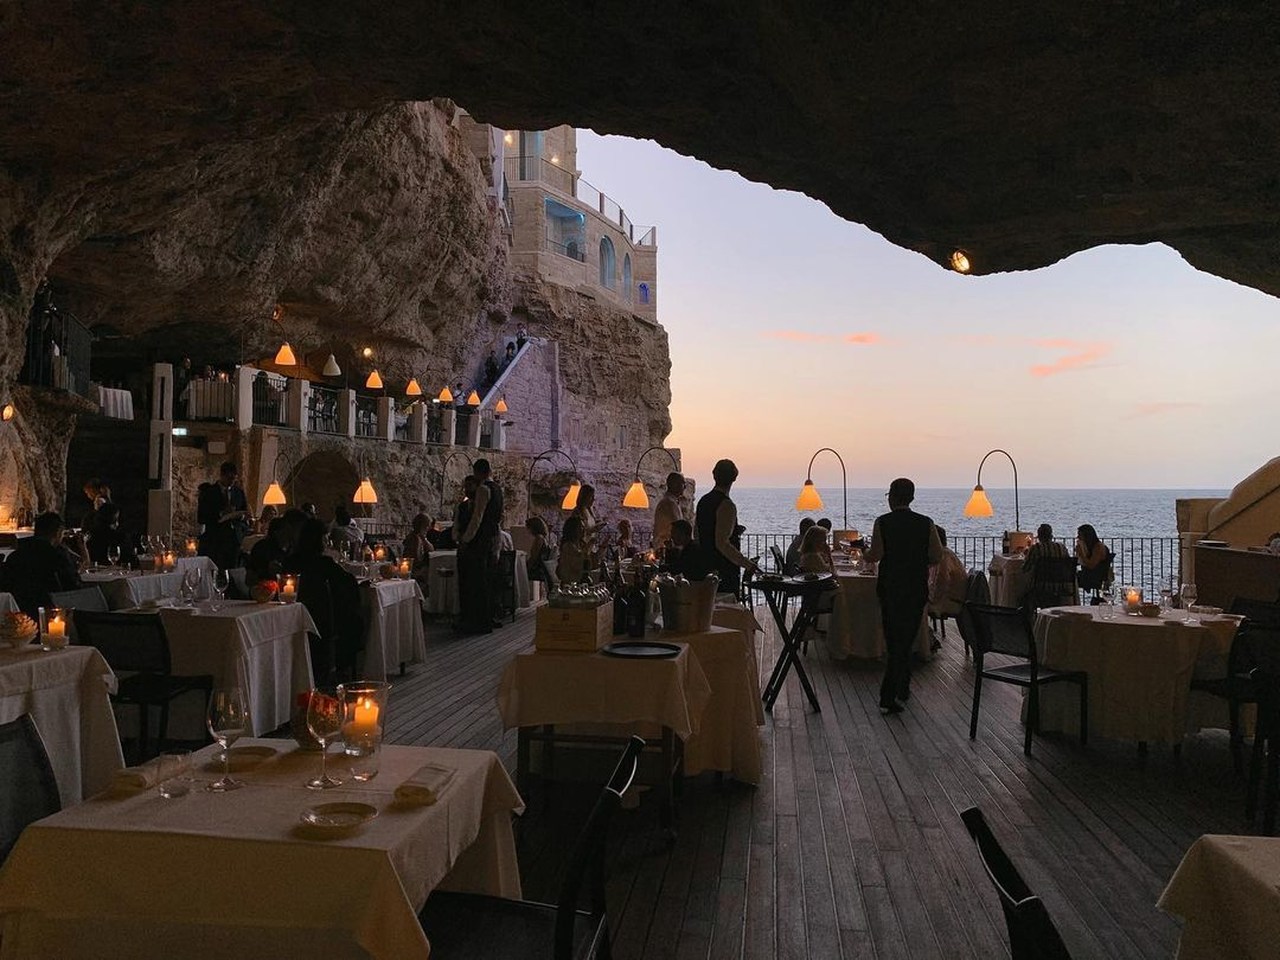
(948, 582)
(572, 565)
(345, 531)
(623, 545)
(539, 550)
(1095, 559)
(263, 524)
(815, 557)
(417, 547)
(332, 598)
(104, 533)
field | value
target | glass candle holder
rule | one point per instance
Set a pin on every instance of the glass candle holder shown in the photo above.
(192, 546)
(289, 587)
(54, 626)
(405, 568)
(364, 705)
(1131, 598)
(169, 561)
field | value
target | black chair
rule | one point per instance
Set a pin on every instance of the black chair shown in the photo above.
(468, 925)
(779, 561)
(1032, 935)
(504, 582)
(137, 650)
(1004, 630)
(28, 790)
(238, 584)
(1253, 646)
(977, 590)
(1260, 612)
(1266, 751)
(1094, 580)
(86, 598)
(1053, 580)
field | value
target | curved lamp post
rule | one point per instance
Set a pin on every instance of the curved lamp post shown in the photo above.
(636, 497)
(444, 471)
(571, 497)
(980, 506)
(810, 499)
(274, 497)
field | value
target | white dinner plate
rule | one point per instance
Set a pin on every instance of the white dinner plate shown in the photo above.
(332, 819)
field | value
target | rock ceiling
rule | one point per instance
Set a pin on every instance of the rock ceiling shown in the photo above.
(1018, 131)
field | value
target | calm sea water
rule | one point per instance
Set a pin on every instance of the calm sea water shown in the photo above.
(1114, 513)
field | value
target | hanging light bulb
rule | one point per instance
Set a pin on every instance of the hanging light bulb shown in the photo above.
(365, 492)
(274, 497)
(331, 368)
(7, 412)
(960, 261)
(979, 504)
(570, 500)
(809, 498)
(374, 382)
(501, 405)
(636, 496)
(446, 395)
(473, 399)
(284, 356)
(413, 389)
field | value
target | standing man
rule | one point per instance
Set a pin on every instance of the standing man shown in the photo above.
(668, 510)
(715, 521)
(223, 513)
(478, 553)
(904, 544)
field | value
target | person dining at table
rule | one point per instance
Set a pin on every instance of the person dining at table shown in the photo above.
(332, 597)
(344, 531)
(48, 561)
(573, 563)
(1045, 546)
(270, 555)
(791, 561)
(686, 557)
(263, 524)
(104, 536)
(417, 548)
(625, 548)
(815, 554)
(1095, 559)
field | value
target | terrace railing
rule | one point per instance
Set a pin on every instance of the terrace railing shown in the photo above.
(322, 410)
(269, 399)
(366, 416)
(57, 354)
(529, 169)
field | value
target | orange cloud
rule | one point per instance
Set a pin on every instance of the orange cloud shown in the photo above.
(1081, 356)
(804, 336)
(863, 339)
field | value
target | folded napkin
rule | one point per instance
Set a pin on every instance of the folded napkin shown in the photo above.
(141, 777)
(425, 786)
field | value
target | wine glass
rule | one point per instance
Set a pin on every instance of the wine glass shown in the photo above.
(189, 587)
(324, 720)
(1188, 599)
(221, 583)
(1166, 596)
(228, 721)
(113, 555)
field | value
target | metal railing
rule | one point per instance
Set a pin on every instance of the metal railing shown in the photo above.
(573, 250)
(211, 400)
(270, 391)
(322, 410)
(57, 354)
(649, 238)
(366, 416)
(529, 169)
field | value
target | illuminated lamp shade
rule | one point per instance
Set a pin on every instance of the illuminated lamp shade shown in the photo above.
(7, 412)
(446, 396)
(636, 497)
(374, 382)
(473, 399)
(365, 492)
(570, 500)
(331, 368)
(960, 261)
(284, 356)
(978, 505)
(501, 405)
(809, 498)
(274, 497)
(413, 389)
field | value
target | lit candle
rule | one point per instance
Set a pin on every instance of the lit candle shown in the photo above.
(404, 567)
(364, 721)
(1132, 598)
(170, 561)
(191, 547)
(380, 553)
(57, 627)
(289, 592)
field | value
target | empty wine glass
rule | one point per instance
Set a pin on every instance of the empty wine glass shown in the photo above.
(324, 720)
(228, 721)
(221, 583)
(1166, 596)
(1188, 599)
(189, 586)
(113, 555)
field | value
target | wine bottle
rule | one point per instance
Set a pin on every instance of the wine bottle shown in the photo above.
(620, 605)
(637, 604)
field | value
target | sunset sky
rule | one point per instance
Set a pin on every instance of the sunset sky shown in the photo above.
(1118, 367)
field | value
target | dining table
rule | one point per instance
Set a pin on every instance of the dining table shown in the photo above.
(1007, 580)
(238, 874)
(442, 583)
(128, 589)
(809, 591)
(854, 625)
(67, 692)
(1227, 892)
(1140, 670)
(114, 402)
(394, 635)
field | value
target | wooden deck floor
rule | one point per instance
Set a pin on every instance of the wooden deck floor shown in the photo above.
(852, 846)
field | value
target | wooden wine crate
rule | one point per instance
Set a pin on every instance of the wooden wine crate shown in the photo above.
(572, 629)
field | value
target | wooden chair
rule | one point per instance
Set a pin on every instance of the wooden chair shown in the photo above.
(28, 790)
(1032, 935)
(86, 598)
(1253, 646)
(137, 650)
(469, 925)
(977, 590)
(1004, 630)
(1053, 580)
(1264, 765)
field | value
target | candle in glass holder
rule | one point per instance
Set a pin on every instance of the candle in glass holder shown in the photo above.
(170, 560)
(191, 546)
(364, 719)
(289, 592)
(380, 554)
(53, 628)
(405, 568)
(1132, 599)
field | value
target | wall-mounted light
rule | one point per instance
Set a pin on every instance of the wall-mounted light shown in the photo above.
(8, 412)
(636, 497)
(960, 261)
(413, 389)
(374, 381)
(367, 353)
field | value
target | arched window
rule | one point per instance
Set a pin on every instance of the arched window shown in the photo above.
(607, 263)
(644, 292)
(626, 276)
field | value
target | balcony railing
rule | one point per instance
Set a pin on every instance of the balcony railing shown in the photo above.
(542, 170)
(269, 399)
(57, 355)
(322, 410)
(208, 400)
(572, 250)
(366, 416)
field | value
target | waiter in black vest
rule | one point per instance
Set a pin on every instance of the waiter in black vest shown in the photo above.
(478, 553)
(715, 521)
(905, 544)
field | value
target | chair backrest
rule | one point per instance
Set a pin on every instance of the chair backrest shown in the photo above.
(779, 561)
(1001, 630)
(129, 642)
(976, 590)
(586, 861)
(1053, 579)
(86, 598)
(239, 584)
(1032, 935)
(1099, 576)
(28, 790)
(1255, 646)
(1260, 612)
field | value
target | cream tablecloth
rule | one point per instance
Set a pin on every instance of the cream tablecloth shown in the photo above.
(67, 695)
(854, 627)
(1139, 670)
(394, 635)
(738, 616)
(230, 875)
(261, 646)
(442, 582)
(1227, 890)
(7, 603)
(114, 402)
(1006, 579)
(125, 591)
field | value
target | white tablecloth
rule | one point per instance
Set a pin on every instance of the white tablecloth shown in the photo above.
(124, 591)
(7, 603)
(442, 582)
(1006, 580)
(67, 694)
(854, 628)
(230, 875)
(114, 402)
(210, 399)
(1140, 671)
(1227, 889)
(394, 634)
(259, 645)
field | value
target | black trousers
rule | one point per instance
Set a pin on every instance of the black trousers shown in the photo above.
(901, 620)
(475, 598)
